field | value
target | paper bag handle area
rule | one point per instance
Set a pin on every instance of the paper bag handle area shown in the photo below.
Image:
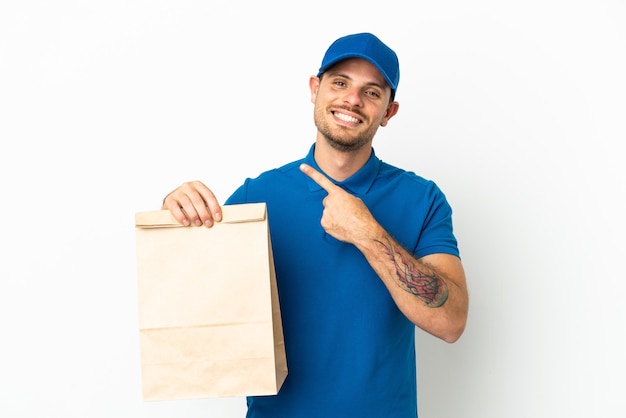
(247, 212)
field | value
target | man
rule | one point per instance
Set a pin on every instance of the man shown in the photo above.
(363, 251)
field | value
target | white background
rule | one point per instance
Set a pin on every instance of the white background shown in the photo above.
(516, 109)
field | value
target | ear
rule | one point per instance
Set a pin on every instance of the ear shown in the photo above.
(314, 85)
(392, 109)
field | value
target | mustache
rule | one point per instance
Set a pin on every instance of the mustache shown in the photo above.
(350, 109)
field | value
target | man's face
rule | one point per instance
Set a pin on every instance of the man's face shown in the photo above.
(351, 102)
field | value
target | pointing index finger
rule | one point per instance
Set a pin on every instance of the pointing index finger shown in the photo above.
(317, 177)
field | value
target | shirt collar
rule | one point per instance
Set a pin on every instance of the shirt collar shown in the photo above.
(359, 183)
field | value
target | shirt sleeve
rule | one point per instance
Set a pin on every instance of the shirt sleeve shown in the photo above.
(437, 234)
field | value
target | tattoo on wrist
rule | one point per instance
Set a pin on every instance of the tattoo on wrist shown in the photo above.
(431, 289)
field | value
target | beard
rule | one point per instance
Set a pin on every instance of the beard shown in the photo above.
(341, 138)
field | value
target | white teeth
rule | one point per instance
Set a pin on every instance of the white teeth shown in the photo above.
(346, 118)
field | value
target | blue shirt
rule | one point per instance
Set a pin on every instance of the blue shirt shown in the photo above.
(350, 351)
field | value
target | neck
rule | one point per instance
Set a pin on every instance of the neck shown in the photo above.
(340, 165)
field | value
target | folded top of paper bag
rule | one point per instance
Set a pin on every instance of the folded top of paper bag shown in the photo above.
(247, 212)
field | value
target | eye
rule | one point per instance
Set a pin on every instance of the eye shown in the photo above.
(340, 83)
(372, 93)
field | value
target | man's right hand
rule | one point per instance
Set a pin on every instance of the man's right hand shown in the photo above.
(193, 203)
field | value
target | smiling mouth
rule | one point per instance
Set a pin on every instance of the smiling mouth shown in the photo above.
(346, 118)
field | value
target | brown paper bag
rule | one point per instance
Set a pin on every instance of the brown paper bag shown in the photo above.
(209, 318)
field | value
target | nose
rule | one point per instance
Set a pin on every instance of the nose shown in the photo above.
(353, 97)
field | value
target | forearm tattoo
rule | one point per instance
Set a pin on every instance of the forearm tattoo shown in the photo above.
(432, 290)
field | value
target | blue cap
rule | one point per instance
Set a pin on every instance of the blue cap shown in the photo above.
(369, 47)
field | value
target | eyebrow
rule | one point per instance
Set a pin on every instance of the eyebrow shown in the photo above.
(343, 75)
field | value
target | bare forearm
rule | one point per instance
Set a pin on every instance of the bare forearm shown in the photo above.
(432, 296)
(412, 276)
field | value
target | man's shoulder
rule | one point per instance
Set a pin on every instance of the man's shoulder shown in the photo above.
(404, 176)
(286, 170)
